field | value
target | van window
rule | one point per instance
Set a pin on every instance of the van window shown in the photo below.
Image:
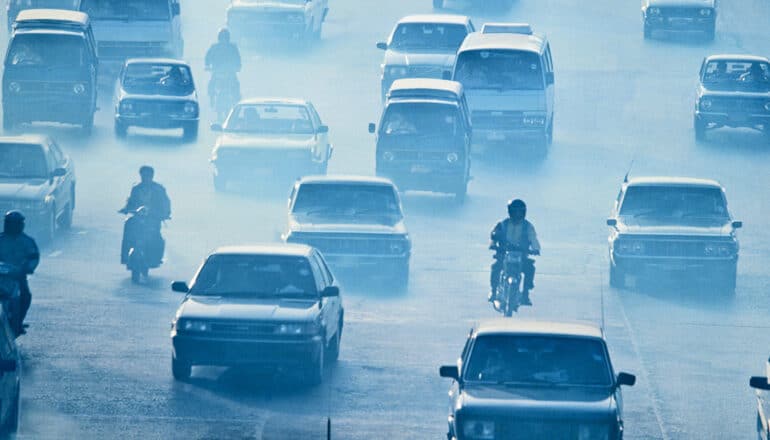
(139, 10)
(46, 50)
(500, 69)
(428, 36)
(422, 119)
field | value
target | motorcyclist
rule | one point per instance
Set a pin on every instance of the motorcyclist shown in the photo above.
(19, 250)
(514, 231)
(224, 61)
(152, 197)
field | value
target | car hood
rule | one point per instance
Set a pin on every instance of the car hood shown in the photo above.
(436, 58)
(515, 100)
(682, 3)
(541, 402)
(32, 189)
(344, 225)
(219, 307)
(265, 6)
(705, 227)
(131, 31)
(273, 141)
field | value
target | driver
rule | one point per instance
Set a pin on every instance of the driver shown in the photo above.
(514, 232)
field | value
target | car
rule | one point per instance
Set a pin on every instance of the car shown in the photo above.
(270, 138)
(424, 140)
(13, 7)
(760, 383)
(356, 222)
(10, 377)
(422, 46)
(134, 28)
(729, 96)
(508, 76)
(156, 93)
(274, 306)
(679, 16)
(535, 380)
(38, 179)
(673, 225)
(50, 70)
(299, 20)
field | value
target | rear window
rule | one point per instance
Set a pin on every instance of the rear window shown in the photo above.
(270, 118)
(46, 50)
(22, 161)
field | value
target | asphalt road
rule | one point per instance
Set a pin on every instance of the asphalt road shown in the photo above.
(97, 354)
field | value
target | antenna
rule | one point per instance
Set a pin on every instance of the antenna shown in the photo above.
(630, 167)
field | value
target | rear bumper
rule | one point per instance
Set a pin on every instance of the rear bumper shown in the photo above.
(380, 263)
(494, 135)
(724, 119)
(212, 351)
(681, 24)
(156, 121)
(247, 27)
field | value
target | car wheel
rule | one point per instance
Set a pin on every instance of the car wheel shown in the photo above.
(121, 129)
(181, 370)
(711, 32)
(12, 422)
(317, 33)
(617, 277)
(700, 128)
(315, 370)
(726, 284)
(49, 230)
(333, 350)
(400, 278)
(190, 133)
(647, 32)
(66, 220)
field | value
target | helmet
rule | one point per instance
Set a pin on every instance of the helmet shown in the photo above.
(224, 35)
(14, 223)
(517, 209)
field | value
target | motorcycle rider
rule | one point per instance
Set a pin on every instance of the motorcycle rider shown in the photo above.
(514, 231)
(20, 251)
(151, 196)
(224, 61)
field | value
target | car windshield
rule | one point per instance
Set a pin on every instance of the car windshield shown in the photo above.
(270, 118)
(674, 202)
(46, 50)
(256, 276)
(421, 119)
(126, 9)
(428, 37)
(157, 79)
(742, 76)
(500, 70)
(22, 161)
(349, 200)
(539, 360)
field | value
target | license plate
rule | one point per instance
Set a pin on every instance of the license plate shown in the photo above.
(494, 136)
(420, 169)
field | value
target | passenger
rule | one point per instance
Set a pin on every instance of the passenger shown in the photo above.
(516, 232)
(756, 75)
(399, 124)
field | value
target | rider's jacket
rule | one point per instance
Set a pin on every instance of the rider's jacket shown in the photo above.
(521, 235)
(223, 58)
(151, 195)
(19, 250)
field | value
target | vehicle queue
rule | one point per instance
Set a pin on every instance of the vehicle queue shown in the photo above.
(497, 97)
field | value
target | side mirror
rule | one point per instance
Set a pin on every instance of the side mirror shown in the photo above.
(7, 365)
(449, 371)
(446, 75)
(759, 382)
(549, 78)
(372, 127)
(216, 127)
(322, 129)
(626, 379)
(175, 10)
(330, 291)
(737, 224)
(180, 286)
(59, 172)
(612, 222)
(382, 46)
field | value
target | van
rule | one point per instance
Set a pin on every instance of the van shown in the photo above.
(13, 7)
(507, 73)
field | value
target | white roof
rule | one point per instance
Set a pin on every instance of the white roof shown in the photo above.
(436, 18)
(278, 249)
(528, 327)
(503, 41)
(344, 179)
(670, 181)
(426, 87)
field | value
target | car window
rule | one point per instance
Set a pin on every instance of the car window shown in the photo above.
(270, 118)
(49, 50)
(421, 119)
(372, 202)
(58, 156)
(737, 75)
(157, 78)
(500, 69)
(428, 36)
(673, 202)
(126, 9)
(23, 161)
(319, 278)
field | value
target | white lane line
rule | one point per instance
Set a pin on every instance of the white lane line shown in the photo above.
(54, 254)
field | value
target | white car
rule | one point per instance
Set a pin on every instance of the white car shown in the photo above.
(292, 19)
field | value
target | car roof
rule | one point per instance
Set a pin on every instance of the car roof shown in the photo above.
(277, 249)
(53, 15)
(531, 327)
(266, 100)
(425, 88)
(672, 181)
(172, 61)
(436, 18)
(505, 41)
(346, 179)
(736, 57)
(31, 139)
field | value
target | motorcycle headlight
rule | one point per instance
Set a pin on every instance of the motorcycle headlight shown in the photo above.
(593, 432)
(452, 157)
(14, 87)
(79, 89)
(479, 429)
(387, 156)
(705, 103)
(397, 71)
(705, 12)
(190, 107)
(653, 11)
(534, 120)
(192, 325)
(295, 18)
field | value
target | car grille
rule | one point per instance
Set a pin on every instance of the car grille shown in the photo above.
(426, 71)
(680, 247)
(485, 119)
(130, 49)
(744, 105)
(353, 244)
(242, 328)
(46, 87)
(532, 429)
(680, 12)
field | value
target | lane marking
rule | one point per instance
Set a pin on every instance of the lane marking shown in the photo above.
(54, 254)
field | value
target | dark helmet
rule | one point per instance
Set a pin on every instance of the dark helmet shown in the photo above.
(517, 209)
(146, 172)
(14, 223)
(224, 35)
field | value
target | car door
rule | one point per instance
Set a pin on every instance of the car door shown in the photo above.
(322, 147)
(329, 306)
(64, 186)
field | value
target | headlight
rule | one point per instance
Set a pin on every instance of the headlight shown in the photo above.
(630, 247)
(126, 107)
(79, 89)
(653, 11)
(397, 71)
(593, 432)
(291, 329)
(14, 87)
(191, 325)
(479, 429)
(709, 249)
(387, 156)
(705, 103)
(723, 249)
(399, 246)
(705, 12)
(190, 107)
(295, 18)
(767, 106)
(534, 120)
(452, 157)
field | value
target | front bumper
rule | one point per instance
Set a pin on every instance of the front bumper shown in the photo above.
(706, 268)
(681, 24)
(734, 119)
(213, 351)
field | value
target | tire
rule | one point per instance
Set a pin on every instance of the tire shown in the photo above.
(190, 132)
(711, 32)
(315, 371)
(333, 350)
(726, 284)
(647, 32)
(66, 219)
(121, 129)
(438, 4)
(617, 277)
(136, 276)
(11, 425)
(180, 370)
(700, 129)
(509, 304)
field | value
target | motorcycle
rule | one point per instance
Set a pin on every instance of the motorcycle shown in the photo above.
(509, 292)
(143, 245)
(10, 296)
(226, 93)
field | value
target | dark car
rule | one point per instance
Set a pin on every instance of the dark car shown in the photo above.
(535, 380)
(760, 383)
(10, 377)
(673, 225)
(156, 93)
(424, 140)
(356, 222)
(38, 179)
(50, 69)
(733, 91)
(271, 306)
(680, 16)
(15, 6)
